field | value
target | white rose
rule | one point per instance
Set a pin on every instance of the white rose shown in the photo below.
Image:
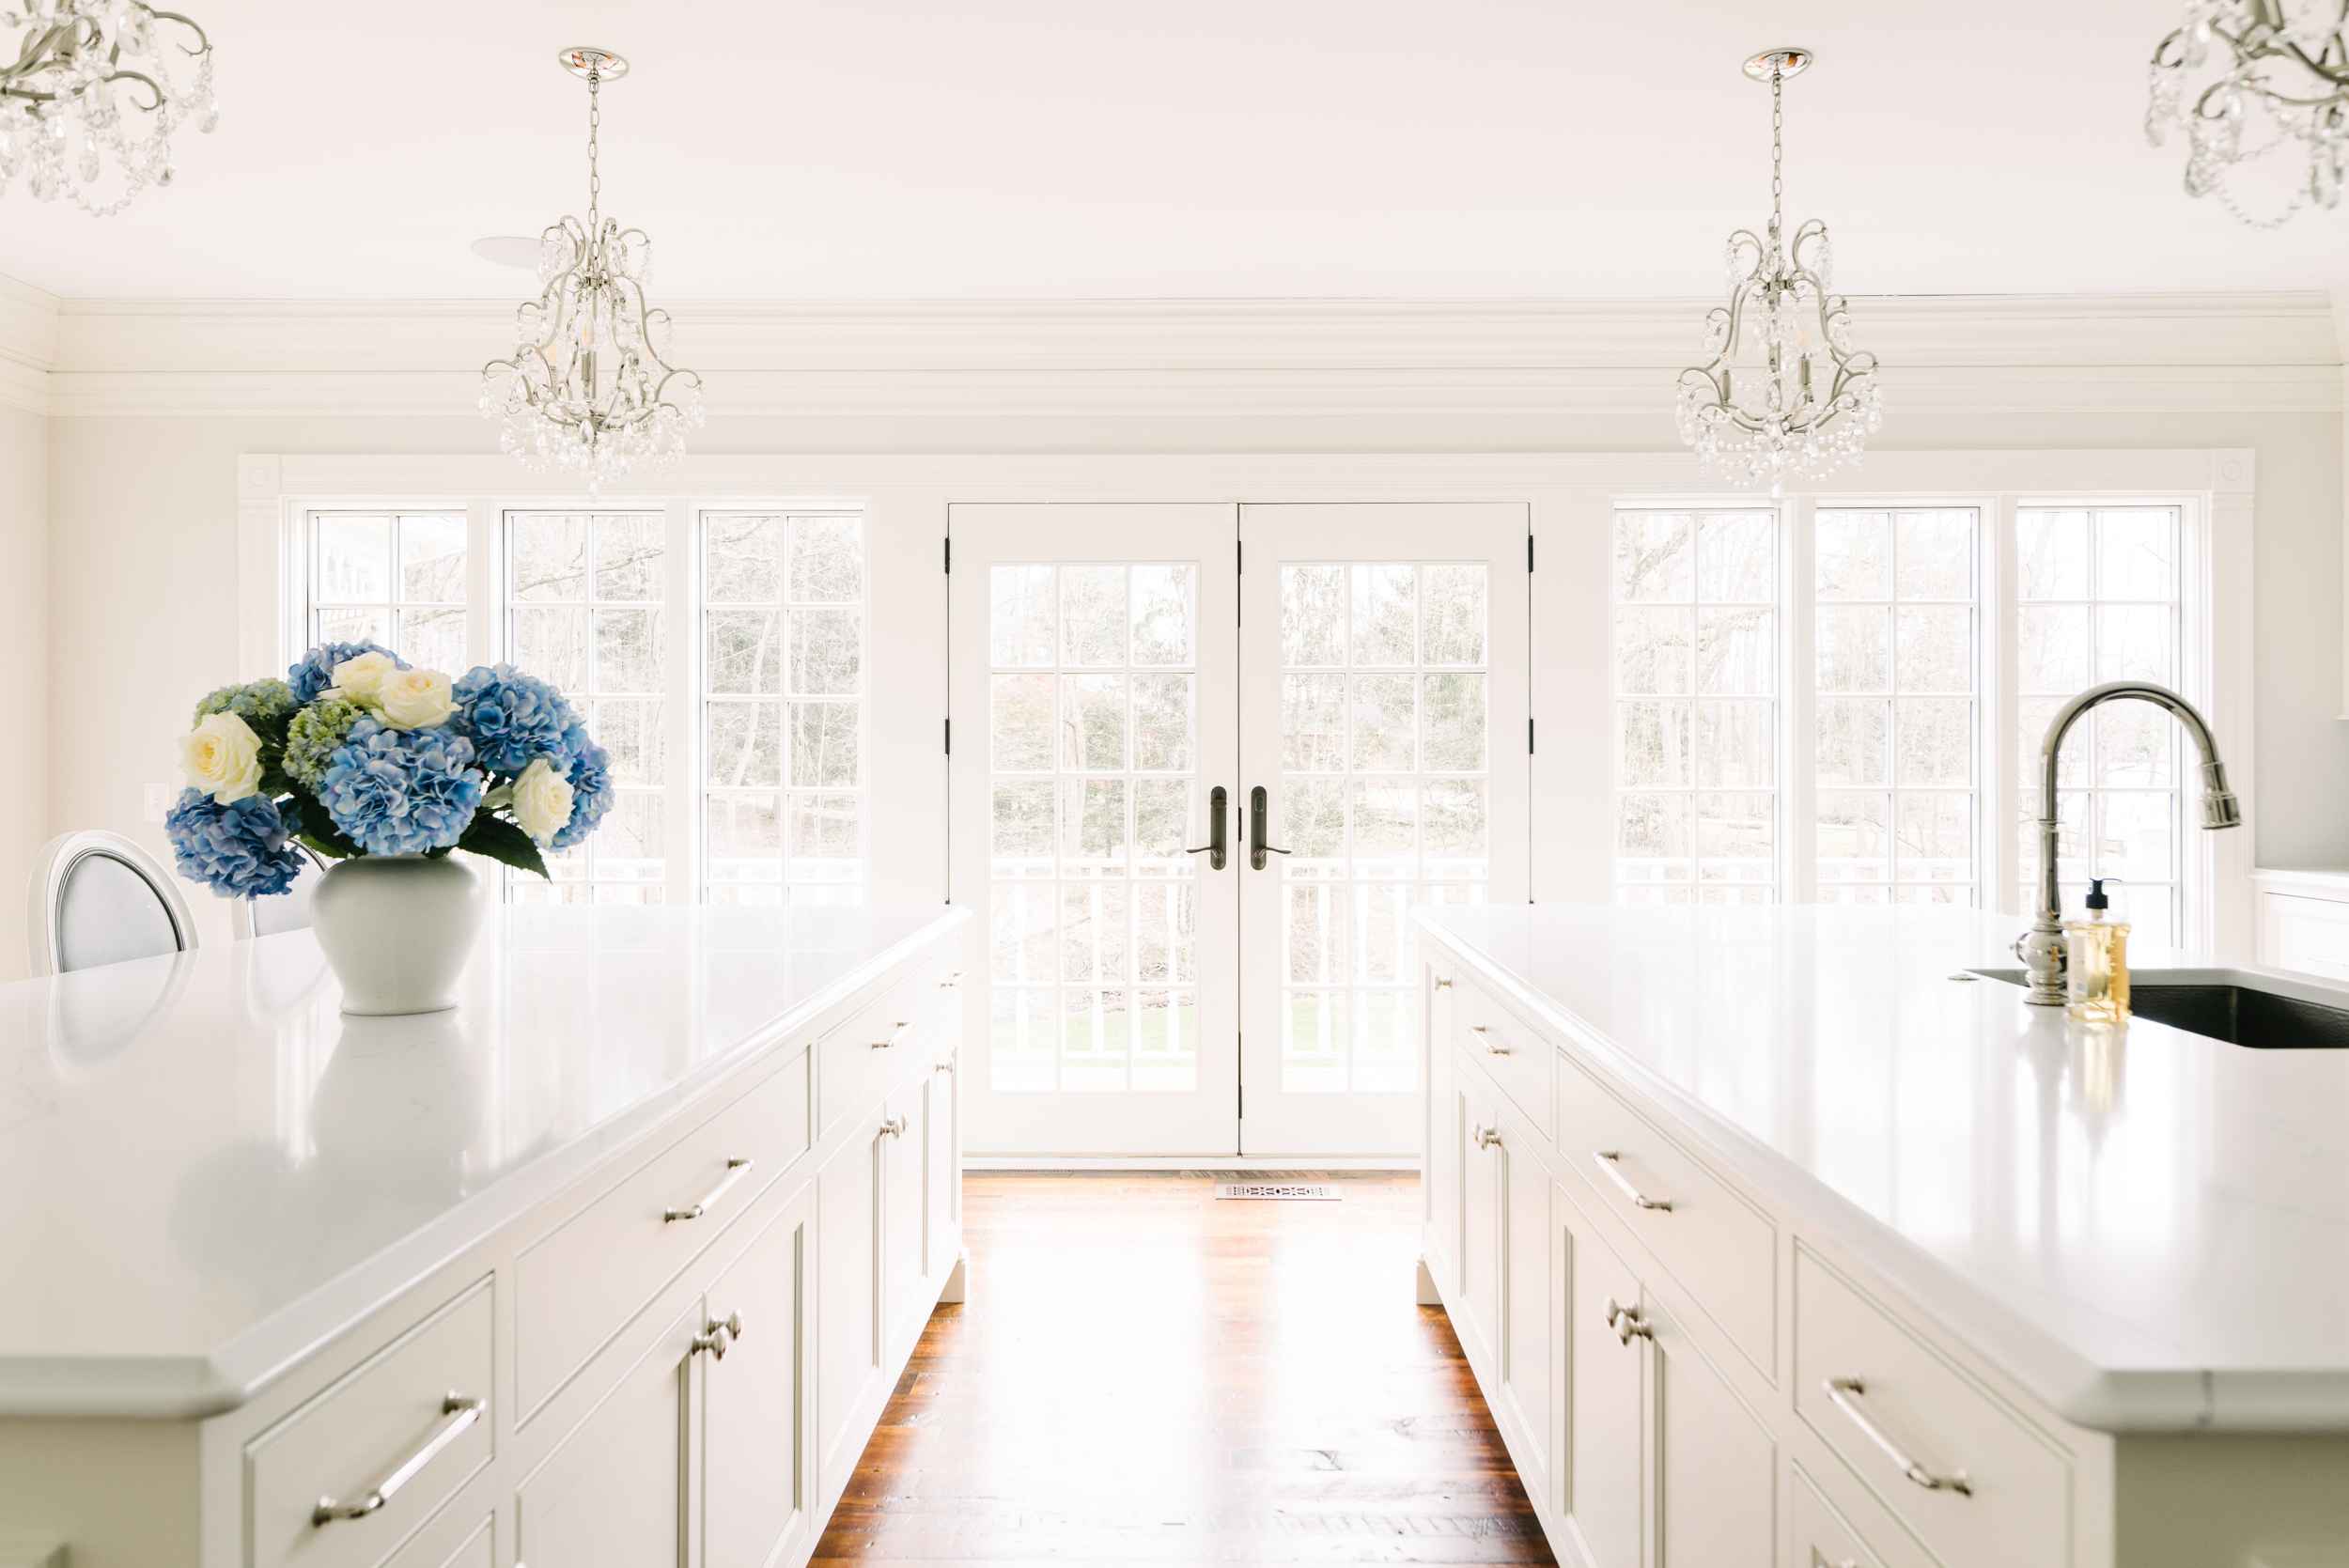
(542, 800)
(222, 756)
(413, 699)
(361, 679)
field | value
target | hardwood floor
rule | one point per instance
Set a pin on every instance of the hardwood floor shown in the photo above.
(1146, 1375)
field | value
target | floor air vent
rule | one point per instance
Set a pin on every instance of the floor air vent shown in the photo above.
(1310, 1192)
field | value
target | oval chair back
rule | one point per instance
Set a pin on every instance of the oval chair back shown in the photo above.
(285, 911)
(97, 898)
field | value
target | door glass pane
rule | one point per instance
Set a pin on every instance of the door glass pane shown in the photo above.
(1092, 751)
(1384, 801)
(2100, 602)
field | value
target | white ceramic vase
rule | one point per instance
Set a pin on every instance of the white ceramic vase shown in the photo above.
(397, 929)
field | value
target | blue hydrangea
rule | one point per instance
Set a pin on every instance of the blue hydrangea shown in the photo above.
(244, 849)
(264, 705)
(588, 768)
(401, 792)
(314, 671)
(512, 717)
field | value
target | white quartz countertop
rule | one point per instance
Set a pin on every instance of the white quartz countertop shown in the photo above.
(2147, 1229)
(209, 1171)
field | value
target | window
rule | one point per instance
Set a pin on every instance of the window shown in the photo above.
(2098, 600)
(585, 611)
(393, 578)
(783, 710)
(1894, 707)
(719, 657)
(1695, 715)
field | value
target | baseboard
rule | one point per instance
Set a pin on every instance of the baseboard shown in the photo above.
(1398, 1164)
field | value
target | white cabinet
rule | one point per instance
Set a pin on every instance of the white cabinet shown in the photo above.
(1604, 1384)
(1716, 1465)
(907, 1291)
(756, 1470)
(2304, 921)
(1481, 1230)
(1528, 1322)
(941, 1169)
(1446, 1129)
(847, 1315)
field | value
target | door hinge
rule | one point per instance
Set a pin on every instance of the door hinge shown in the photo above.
(950, 737)
(1529, 552)
(949, 543)
(1239, 555)
(1529, 737)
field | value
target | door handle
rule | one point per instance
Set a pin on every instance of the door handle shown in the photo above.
(1257, 848)
(1218, 844)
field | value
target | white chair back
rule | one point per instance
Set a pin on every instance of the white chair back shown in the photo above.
(284, 911)
(97, 898)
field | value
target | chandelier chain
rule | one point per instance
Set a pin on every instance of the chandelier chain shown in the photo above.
(594, 125)
(1778, 149)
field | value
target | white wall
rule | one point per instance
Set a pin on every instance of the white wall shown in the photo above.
(24, 655)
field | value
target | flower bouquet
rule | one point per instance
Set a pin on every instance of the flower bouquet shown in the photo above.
(382, 769)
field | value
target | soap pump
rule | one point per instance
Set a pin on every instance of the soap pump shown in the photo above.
(2096, 968)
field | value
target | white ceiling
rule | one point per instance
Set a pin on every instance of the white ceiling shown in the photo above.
(875, 149)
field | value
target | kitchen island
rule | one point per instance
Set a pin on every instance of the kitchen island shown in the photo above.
(1785, 1236)
(616, 1262)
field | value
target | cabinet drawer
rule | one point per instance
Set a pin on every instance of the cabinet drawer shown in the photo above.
(1823, 1537)
(1519, 1061)
(575, 1288)
(1955, 1464)
(411, 1424)
(860, 1059)
(1722, 1249)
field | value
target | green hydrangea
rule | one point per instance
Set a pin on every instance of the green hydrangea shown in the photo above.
(317, 731)
(265, 704)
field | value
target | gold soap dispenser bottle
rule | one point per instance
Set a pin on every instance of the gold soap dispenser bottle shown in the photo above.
(2096, 961)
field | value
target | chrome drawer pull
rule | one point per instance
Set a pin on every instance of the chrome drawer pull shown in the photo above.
(1491, 1045)
(896, 1029)
(1487, 1138)
(894, 1127)
(1845, 1392)
(736, 1170)
(1608, 1160)
(720, 1336)
(459, 1411)
(1443, 982)
(950, 982)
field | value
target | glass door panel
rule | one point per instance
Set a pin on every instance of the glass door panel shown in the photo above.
(1094, 692)
(1384, 660)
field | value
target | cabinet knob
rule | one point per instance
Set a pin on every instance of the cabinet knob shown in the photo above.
(893, 1127)
(1488, 1138)
(946, 1062)
(1443, 982)
(720, 1335)
(1627, 1322)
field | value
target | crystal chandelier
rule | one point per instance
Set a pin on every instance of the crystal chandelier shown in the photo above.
(2270, 76)
(1782, 395)
(89, 106)
(587, 386)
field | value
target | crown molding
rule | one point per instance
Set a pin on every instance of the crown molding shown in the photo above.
(1169, 359)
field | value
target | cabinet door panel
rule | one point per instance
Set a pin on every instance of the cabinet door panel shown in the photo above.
(941, 1158)
(847, 1316)
(1446, 1129)
(612, 1493)
(905, 1204)
(1480, 1232)
(754, 1468)
(1716, 1486)
(1528, 1322)
(1604, 1421)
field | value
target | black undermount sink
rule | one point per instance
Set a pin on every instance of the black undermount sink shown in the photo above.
(2228, 1007)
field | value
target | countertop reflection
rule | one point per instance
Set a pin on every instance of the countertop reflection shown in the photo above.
(2146, 1227)
(208, 1165)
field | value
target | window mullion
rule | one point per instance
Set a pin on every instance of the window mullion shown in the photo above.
(485, 583)
(681, 824)
(2003, 796)
(1798, 751)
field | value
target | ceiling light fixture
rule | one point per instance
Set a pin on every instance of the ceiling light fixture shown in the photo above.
(94, 78)
(588, 386)
(1782, 395)
(2277, 79)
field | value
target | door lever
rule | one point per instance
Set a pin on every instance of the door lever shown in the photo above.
(1257, 848)
(1217, 845)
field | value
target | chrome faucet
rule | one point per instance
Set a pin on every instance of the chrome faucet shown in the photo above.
(2041, 948)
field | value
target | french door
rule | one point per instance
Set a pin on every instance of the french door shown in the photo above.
(1204, 760)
